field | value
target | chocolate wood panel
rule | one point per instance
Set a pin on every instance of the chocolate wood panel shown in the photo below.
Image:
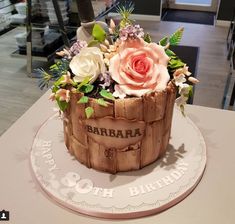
(77, 115)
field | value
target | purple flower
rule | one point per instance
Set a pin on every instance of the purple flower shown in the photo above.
(106, 79)
(76, 47)
(131, 32)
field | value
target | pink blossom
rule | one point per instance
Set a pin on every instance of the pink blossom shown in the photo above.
(52, 97)
(67, 79)
(63, 95)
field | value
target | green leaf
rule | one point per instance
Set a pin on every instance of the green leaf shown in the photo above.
(176, 37)
(84, 82)
(107, 95)
(182, 110)
(98, 33)
(89, 111)
(170, 53)
(62, 105)
(55, 89)
(102, 102)
(93, 43)
(83, 99)
(58, 82)
(175, 63)
(54, 66)
(147, 38)
(190, 94)
(163, 41)
(87, 88)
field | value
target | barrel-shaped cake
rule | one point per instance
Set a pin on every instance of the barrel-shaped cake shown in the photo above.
(126, 135)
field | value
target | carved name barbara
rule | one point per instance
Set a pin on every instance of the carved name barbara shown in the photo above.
(118, 133)
(130, 133)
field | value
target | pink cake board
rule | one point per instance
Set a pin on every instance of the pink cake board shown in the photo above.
(126, 194)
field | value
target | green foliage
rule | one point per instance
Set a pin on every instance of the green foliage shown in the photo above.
(87, 88)
(83, 99)
(84, 82)
(125, 11)
(89, 111)
(147, 38)
(163, 41)
(45, 78)
(60, 67)
(102, 102)
(182, 110)
(55, 88)
(62, 104)
(58, 82)
(176, 37)
(170, 53)
(107, 95)
(98, 33)
(175, 63)
(93, 43)
(190, 94)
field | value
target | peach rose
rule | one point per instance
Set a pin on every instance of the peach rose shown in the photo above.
(140, 67)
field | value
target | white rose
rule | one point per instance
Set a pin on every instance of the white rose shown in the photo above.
(88, 63)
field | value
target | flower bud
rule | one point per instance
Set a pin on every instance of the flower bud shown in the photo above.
(110, 31)
(193, 80)
(103, 47)
(112, 24)
(106, 42)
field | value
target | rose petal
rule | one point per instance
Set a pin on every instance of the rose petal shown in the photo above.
(163, 79)
(130, 90)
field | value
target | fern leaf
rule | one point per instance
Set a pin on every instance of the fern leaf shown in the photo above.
(163, 41)
(176, 37)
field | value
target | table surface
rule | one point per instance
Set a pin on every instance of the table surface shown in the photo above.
(213, 200)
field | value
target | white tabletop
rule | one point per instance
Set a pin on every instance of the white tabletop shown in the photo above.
(213, 200)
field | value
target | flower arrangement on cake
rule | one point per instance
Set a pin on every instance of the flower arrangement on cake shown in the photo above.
(117, 94)
(120, 63)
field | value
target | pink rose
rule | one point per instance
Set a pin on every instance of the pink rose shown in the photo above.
(140, 67)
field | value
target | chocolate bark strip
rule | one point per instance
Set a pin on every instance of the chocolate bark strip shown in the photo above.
(80, 151)
(171, 94)
(67, 134)
(67, 129)
(152, 143)
(102, 158)
(129, 159)
(131, 108)
(100, 111)
(77, 114)
(154, 106)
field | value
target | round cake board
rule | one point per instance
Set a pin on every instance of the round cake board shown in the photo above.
(125, 194)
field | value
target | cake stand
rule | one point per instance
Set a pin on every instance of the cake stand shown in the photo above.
(125, 194)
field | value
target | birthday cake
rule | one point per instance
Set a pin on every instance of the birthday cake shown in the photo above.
(117, 93)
